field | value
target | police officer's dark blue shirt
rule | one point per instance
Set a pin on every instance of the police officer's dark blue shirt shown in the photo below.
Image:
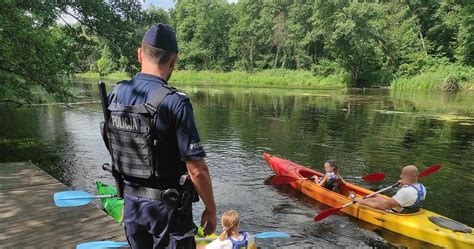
(175, 119)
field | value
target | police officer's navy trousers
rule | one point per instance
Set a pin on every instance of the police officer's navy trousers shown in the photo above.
(151, 224)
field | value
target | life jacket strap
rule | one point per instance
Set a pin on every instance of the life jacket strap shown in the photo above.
(420, 192)
(238, 244)
(415, 207)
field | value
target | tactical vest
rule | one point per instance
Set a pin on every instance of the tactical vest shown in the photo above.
(415, 207)
(239, 244)
(132, 137)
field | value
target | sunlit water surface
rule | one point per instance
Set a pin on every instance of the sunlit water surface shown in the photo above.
(364, 131)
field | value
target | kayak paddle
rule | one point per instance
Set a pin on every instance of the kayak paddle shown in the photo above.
(112, 244)
(328, 212)
(331, 211)
(374, 177)
(266, 235)
(75, 198)
(101, 244)
(263, 235)
(430, 170)
(283, 180)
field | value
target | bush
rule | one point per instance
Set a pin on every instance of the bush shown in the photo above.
(325, 68)
(106, 64)
(420, 62)
(450, 84)
(379, 78)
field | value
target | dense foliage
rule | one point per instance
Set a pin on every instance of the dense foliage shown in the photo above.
(366, 42)
(39, 48)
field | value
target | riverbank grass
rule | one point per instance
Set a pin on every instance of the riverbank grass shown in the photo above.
(93, 76)
(449, 78)
(266, 78)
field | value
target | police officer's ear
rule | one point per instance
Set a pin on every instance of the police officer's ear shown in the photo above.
(173, 61)
(140, 55)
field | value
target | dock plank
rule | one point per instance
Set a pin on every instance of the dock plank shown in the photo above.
(29, 218)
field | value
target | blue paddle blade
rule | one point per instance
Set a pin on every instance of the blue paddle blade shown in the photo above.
(266, 235)
(72, 198)
(101, 244)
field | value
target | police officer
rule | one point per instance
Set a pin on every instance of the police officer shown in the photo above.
(155, 146)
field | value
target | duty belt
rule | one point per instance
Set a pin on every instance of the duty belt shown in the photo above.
(151, 193)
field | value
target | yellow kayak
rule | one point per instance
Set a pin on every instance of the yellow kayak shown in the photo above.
(423, 225)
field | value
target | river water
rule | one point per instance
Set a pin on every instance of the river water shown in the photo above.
(363, 131)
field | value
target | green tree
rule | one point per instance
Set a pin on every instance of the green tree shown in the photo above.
(106, 64)
(32, 53)
(371, 41)
(35, 53)
(251, 36)
(423, 11)
(306, 47)
(203, 29)
(353, 39)
(465, 49)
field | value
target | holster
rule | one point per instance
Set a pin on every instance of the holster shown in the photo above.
(188, 196)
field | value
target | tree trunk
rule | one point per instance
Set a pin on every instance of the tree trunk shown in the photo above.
(251, 55)
(418, 22)
(276, 57)
(354, 75)
(423, 42)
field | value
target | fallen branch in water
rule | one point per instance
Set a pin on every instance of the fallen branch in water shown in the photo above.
(67, 104)
(47, 104)
(18, 103)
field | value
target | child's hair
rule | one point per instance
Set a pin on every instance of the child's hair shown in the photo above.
(333, 164)
(230, 222)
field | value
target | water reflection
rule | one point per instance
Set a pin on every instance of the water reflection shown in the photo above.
(364, 131)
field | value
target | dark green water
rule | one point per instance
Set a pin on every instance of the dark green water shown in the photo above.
(364, 131)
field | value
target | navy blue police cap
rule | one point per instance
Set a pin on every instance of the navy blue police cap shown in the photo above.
(161, 36)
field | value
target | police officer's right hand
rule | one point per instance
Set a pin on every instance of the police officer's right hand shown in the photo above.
(208, 219)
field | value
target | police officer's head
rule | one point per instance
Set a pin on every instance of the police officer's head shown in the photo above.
(159, 51)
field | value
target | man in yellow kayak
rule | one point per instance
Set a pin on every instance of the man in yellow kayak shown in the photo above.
(408, 198)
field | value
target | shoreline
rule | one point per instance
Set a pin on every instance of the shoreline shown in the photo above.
(264, 79)
(281, 79)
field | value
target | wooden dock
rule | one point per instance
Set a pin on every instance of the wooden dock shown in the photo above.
(29, 218)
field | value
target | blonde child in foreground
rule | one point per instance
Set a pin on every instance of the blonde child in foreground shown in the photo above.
(231, 238)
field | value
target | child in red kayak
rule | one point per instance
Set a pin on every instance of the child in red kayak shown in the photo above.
(332, 178)
(231, 237)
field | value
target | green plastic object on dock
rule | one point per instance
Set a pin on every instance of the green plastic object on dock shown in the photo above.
(114, 207)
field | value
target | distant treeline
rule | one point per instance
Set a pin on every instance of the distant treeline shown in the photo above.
(366, 43)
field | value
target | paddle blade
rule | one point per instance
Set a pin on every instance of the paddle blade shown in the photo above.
(101, 244)
(72, 198)
(283, 180)
(326, 213)
(266, 235)
(375, 177)
(430, 170)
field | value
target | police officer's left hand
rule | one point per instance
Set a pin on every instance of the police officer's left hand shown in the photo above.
(208, 218)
